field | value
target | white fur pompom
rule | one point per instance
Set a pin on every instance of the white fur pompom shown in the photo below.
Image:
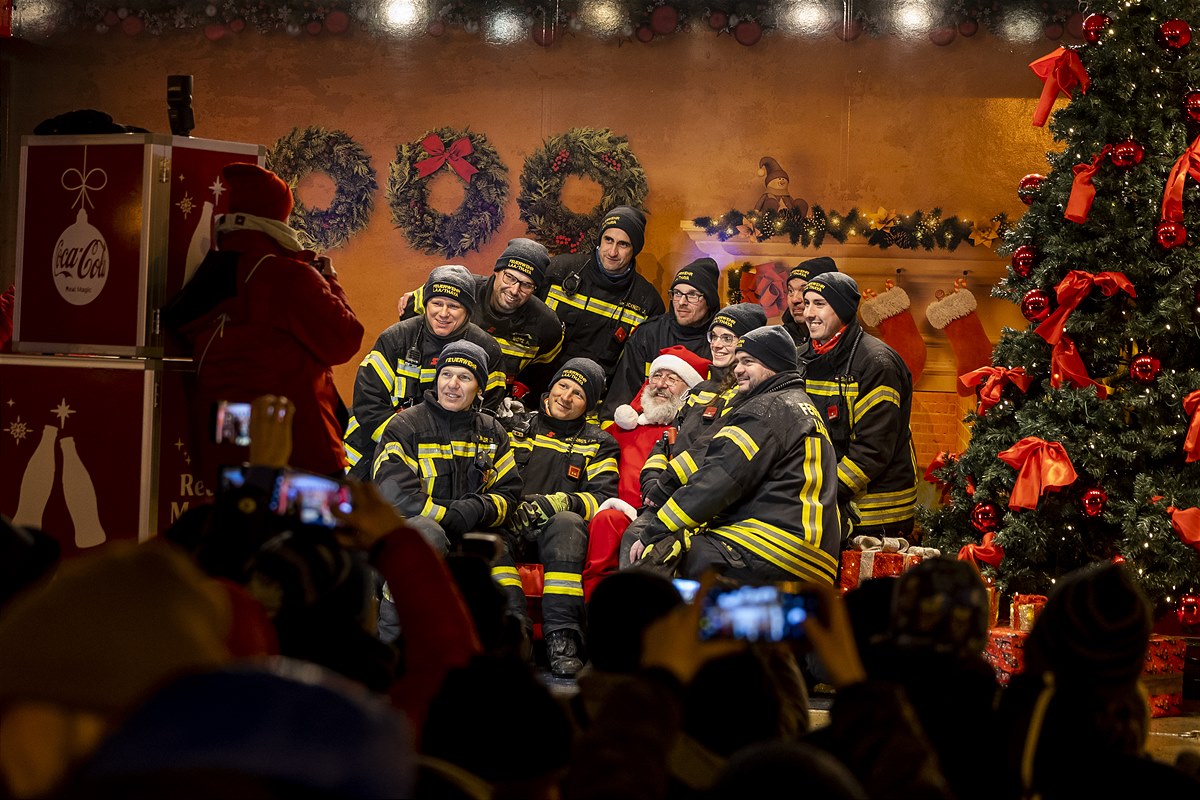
(626, 417)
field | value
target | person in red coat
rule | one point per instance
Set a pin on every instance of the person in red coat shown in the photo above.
(262, 317)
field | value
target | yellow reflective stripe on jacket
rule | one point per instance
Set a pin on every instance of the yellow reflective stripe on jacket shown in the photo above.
(674, 517)
(432, 510)
(506, 576)
(782, 549)
(560, 445)
(394, 449)
(883, 508)
(657, 462)
(378, 362)
(352, 455)
(880, 394)
(551, 354)
(743, 440)
(594, 305)
(590, 504)
(601, 467)
(496, 380)
(848, 389)
(568, 583)
(684, 466)
(852, 475)
(812, 510)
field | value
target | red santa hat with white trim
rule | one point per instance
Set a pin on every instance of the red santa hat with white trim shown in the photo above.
(689, 366)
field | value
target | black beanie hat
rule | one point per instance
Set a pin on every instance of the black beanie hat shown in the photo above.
(840, 291)
(702, 275)
(807, 270)
(587, 374)
(771, 345)
(454, 282)
(741, 318)
(467, 355)
(630, 220)
(1094, 629)
(527, 257)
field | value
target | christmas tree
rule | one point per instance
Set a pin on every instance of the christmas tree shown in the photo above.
(1085, 443)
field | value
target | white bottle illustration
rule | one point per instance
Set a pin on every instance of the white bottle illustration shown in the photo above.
(37, 482)
(201, 242)
(80, 494)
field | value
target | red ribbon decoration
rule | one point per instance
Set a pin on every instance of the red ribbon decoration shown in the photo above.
(1187, 164)
(939, 461)
(1066, 366)
(1072, 290)
(1191, 443)
(993, 380)
(439, 154)
(1040, 465)
(1060, 70)
(986, 551)
(1186, 522)
(1083, 193)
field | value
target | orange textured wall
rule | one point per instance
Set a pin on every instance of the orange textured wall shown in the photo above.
(874, 122)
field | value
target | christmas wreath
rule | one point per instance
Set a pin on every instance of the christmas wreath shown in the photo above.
(599, 155)
(476, 163)
(315, 149)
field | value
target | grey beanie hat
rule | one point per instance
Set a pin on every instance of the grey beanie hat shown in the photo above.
(703, 275)
(741, 318)
(807, 270)
(630, 220)
(467, 355)
(454, 282)
(840, 291)
(771, 345)
(587, 374)
(526, 256)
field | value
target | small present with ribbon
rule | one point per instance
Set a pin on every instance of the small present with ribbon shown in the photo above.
(1005, 652)
(873, 557)
(1026, 608)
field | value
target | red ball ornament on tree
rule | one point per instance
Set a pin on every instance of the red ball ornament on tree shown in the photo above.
(1024, 259)
(747, 32)
(1036, 305)
(1093, 27)
(1144, 368)
(664, 19)
(1027, 188)
(544, 35)
(1189, 611)
(985, 517)
(968, 28)
(718, 20)
(1094, 501)
(1127, 154)
(1170, 234)
(1191, 105)
(644, 34)
(1174, 34)
(944, 35)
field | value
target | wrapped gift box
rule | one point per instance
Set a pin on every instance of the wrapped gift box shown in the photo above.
(872, 558)
(1162, 674)
(95, 449)
(108, 227)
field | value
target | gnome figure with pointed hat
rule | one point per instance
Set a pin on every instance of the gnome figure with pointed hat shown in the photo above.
(776, 197)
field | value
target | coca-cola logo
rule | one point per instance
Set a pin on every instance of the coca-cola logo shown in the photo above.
(80, 262)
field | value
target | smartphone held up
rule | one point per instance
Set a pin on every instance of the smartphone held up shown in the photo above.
(231, 423)
(307, 497)
(766, 613)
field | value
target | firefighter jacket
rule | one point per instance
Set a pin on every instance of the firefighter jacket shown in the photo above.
(571, 456)
(644, 345)
(394, 375)
(768, 483)
(797, 329)
(259, 319)
(863, 390)
(430, 460)
(702, 415)
(598, 313)
(531, 334)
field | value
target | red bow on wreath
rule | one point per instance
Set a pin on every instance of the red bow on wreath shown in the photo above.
(993, 380)
(1040, 465)
(1060, 70)
(1083, 193)
(986, 551)
(439, 154)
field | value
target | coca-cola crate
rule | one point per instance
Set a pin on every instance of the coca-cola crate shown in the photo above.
(108, 227)
(95, 449)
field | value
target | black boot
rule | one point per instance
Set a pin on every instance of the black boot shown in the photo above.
(563, 650)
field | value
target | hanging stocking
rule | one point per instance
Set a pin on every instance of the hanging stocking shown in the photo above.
(955, 314)
(890, 314)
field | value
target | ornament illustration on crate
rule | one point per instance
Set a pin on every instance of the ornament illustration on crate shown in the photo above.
(81, 253)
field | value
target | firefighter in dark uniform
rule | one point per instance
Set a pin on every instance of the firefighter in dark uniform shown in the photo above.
(507, 307)
(763, 505)
(797, 278)
(396, 372)
(599, 295)
(863, 390)
(694, 301)
(569, 468)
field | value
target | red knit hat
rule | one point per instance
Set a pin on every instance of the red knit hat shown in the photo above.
(691, 367)
(257, 191)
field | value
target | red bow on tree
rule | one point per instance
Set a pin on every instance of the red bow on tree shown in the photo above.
(1066, 366)
(993, 380)
(1060, 71)
(1040, 465)
(1083, 193)
(986, 551)
(1187, 164)
(940, 460)
(1072, 290)
(1186, 522)
(1191, 443)
(439, 154)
